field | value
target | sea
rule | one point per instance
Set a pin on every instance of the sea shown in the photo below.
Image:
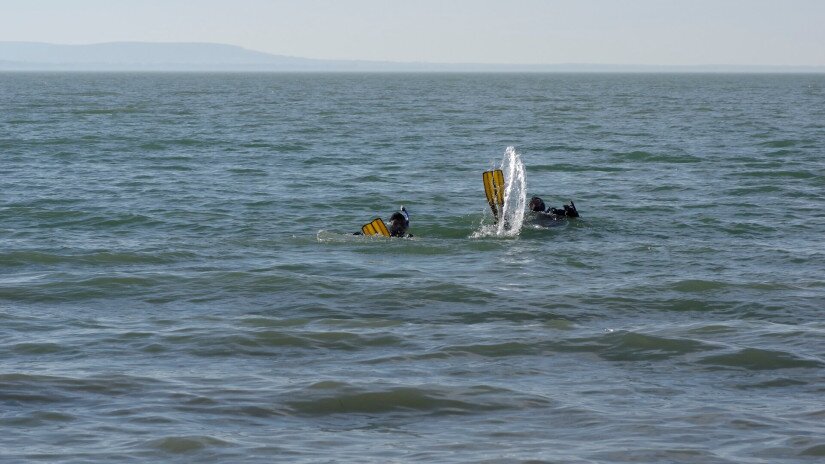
(180, 282)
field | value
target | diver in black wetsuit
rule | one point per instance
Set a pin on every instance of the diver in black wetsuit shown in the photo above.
(398, 226)
(399, 223)
(566, 211)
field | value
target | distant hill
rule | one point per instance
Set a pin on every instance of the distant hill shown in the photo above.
(143, 56)
(146, 56)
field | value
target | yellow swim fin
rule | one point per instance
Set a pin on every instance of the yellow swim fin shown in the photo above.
(375, 227)
(494, 189)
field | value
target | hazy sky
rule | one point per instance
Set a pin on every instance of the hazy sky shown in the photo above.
(779, 32)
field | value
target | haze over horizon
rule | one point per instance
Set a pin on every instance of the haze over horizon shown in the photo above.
(641, 32)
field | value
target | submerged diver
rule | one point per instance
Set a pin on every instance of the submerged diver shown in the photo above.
(398, 225)
(566, 211)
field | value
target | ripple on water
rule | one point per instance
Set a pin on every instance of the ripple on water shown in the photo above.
(645, 156)
(325, 398)
(633, 346)
(30, 348)
(52, 388)
(102, 257)
(38, 418)
(272, 342)
(755, 359)
(187, 444)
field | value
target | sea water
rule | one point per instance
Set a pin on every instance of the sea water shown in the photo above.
(179, 282)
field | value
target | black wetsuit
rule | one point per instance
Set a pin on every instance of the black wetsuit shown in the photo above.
(537, 206)
(567, 211)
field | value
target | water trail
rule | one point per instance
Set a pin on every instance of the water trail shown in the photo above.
(514, 194)
(515, 188)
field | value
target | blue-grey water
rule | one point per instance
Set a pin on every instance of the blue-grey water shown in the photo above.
(178, 282)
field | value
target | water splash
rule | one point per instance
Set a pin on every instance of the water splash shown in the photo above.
(514, 193)
(515, 198)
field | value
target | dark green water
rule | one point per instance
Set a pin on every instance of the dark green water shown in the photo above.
(178, 282)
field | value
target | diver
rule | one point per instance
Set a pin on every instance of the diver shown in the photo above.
(566, 211)
(399, 224)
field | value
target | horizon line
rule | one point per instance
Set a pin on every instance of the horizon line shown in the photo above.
(820, 67)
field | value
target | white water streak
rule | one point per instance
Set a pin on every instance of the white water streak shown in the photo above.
(515, 198)
(514, 194)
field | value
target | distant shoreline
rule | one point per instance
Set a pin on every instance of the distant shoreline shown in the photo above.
(400, 72)
(208, 58)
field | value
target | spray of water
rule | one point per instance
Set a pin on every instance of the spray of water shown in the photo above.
(514, 193)
(515, 188)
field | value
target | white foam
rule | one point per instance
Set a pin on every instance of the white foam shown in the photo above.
(515, 198)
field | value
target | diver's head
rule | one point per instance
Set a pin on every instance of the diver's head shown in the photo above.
(536, 204)
(398, 224)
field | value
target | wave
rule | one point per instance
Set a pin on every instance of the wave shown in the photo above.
(655, 158)
(611, 346)
(755, 359)
(35, 388)
(76, 217)
(187, 444)
(111, 110)
(563, 167)
(784, 143)
(326, 398)
(30, 348)
(38, 419)
(25, 258)
(273, 342)
(697, 285)
(778, 173)
(62, 287)
(249, 172)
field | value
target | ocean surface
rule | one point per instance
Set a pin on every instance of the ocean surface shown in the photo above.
(179, 281)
